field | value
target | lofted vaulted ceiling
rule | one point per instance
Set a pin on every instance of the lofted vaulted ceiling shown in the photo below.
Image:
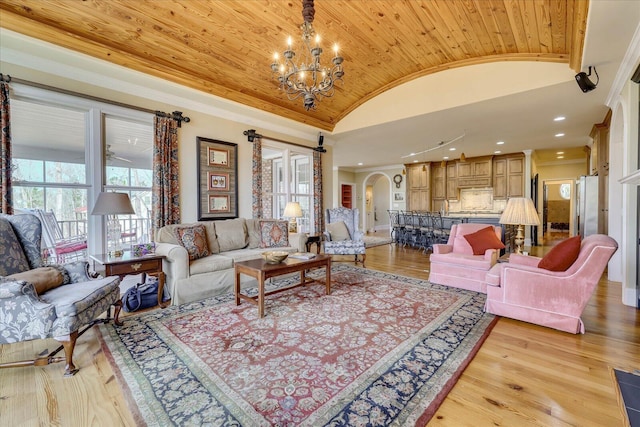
(225, 47)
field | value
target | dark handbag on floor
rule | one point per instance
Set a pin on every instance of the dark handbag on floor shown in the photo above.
(142, 295)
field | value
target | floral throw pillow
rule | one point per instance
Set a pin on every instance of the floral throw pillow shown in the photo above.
(12, 258)
(194, 240)
(274, 234)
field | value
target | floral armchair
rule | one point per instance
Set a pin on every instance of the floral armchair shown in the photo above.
(341, 236)
(38, 301)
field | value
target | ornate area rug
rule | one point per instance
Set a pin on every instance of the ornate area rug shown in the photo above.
(380, 350)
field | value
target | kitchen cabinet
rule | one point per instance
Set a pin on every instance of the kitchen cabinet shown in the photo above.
(417, 178)
(475, 172)
(438, 183)
(452, 181)
(508, 176)
(418, 186)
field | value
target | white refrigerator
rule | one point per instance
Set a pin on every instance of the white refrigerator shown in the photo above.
(588, 205)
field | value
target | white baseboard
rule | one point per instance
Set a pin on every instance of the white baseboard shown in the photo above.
(630, 296)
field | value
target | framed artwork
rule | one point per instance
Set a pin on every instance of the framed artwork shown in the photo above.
(218, 203)
(217, 179)
(218, 157)
(398, 197)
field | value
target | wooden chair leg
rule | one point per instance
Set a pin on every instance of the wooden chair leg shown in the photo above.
(70, 369)
(116, 313)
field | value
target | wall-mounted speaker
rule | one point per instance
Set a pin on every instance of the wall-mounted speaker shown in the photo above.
(320, 148)
(636, 75)
(586, 85)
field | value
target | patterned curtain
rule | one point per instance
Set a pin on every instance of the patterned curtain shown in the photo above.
(5, 150)
(165, 202)
(256, 194)
(317, 192)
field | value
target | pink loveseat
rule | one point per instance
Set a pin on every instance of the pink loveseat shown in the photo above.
(520, 290)
(454, 264)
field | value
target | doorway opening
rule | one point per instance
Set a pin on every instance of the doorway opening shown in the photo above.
(558, 213)
(376, 203)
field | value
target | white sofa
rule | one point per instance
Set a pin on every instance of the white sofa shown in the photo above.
(228, 241)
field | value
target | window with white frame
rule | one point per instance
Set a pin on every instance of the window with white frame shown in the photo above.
(67, 149)
(287, 176)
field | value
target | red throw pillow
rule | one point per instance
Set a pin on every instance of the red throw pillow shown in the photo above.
(484, 239)
(562, 255)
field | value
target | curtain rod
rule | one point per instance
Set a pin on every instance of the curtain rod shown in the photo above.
(252, 135)
(176, 115)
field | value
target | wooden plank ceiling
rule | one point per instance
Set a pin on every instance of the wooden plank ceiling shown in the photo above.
(225, 47)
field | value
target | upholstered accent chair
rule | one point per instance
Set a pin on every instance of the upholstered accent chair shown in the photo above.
(454, 263)
(519, 289)
(341, 235)
(40, 301)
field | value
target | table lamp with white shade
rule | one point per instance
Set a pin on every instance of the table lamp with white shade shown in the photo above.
(520, 211)
(293, 211)
(112, 205)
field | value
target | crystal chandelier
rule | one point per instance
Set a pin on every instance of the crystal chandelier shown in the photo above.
(308, 79)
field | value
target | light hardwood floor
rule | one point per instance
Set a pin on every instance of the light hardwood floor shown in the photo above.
(524, 375)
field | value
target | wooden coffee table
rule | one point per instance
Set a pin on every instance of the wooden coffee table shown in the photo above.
(261, 271)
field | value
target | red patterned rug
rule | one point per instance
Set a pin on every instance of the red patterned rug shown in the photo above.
(380, 349)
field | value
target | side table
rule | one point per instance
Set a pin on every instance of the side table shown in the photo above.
(131, 264)
(314, 238)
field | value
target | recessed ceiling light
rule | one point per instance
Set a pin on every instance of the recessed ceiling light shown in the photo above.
(412, 154)
(499, 142)
(452, 149)
(415, 161)
(497, 152)
(560, 152)
(559, 135)
(559, 119)
(446, 157)
(359, 163)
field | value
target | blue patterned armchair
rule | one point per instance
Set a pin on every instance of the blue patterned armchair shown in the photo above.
(341, 236)
(38, 301)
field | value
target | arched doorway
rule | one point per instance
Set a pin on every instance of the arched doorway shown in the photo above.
(376, 203)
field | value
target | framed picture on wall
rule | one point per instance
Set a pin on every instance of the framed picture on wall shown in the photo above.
(398, 197)
(218, 157)
(218, 203)
(217, 179)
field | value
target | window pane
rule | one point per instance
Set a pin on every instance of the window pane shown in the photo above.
(128, 143)
(70, 208)
(302, 169)
(27, 170)
(65, 173)
(28, 197)
(128, 162)
(51, 133)
(117, 176)
(141, 177)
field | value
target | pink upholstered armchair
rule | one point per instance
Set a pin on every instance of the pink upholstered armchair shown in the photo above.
(520, 290)
(454, 264)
